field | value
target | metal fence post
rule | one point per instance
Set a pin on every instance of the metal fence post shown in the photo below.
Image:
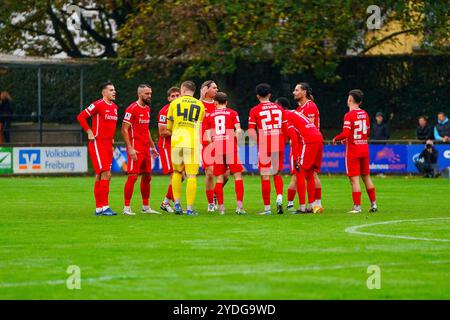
(81, 99)
(39, 105)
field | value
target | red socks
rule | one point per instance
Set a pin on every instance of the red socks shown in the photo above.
(97, 195)
(318, 194)
(128, 189)
(265, 188)
(210, 196)
(301, 187)
(145, 188)
(291, 194)
(239, 188)
(169, 194)
(356, 198)
(103, 190)
(311, 186)
(278, 181)
(219, 192)
(371, 194)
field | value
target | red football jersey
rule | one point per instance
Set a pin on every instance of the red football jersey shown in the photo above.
(209, 108)
(104, 119)
(310, 110)
(139, 118)
(267, 117)
(222, 123)
(163, 142)
(358, 122)
(307, 131)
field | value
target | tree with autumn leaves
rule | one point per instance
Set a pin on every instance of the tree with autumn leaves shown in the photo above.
(212, 36)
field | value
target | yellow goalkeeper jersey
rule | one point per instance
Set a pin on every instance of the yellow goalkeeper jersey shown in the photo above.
(185, 116)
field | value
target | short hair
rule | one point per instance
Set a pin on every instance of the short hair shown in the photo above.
(190, 85)
(144, 85)
(284, 102)
(357, 95)
(442, 112)
(207, 83)
(263, 90)
(172, 90)
(221, 97)
(423, 117)
(105, 84)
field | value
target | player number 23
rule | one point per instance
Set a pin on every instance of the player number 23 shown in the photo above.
(267, 117)
(360, 128)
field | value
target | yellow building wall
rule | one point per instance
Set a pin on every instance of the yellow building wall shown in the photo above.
(401, 44)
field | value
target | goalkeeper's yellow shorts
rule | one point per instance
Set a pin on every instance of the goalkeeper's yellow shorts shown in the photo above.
(185, 158)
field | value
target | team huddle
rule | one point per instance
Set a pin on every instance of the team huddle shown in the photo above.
(207, 132)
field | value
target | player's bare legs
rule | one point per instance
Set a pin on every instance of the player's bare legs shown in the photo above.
(370, 188)
(209, 186)
(292, 190)
(265, 190)
(356, 194)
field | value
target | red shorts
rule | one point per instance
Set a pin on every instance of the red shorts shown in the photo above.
(207, 156)
(101, 153)
(225, 161)
(166, 160)
(143, 164)
(311, 156)
(271, 162)
(357, 166)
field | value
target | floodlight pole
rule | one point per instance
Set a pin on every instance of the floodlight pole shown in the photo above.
(39, 105)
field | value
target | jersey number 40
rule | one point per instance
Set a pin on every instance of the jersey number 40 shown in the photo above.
(190, 114)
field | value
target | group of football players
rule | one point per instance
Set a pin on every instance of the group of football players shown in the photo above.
(207, 130)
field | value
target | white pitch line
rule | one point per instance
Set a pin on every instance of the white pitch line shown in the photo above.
(60, 282)
(229, 272)
(354, 230)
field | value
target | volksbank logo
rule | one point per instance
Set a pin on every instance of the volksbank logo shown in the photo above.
(30, 159)
(5, 160)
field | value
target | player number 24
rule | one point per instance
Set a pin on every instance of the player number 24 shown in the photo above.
(190, 114)
(360, 128)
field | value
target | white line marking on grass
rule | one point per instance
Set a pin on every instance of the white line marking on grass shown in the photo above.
(223, 273)
(60, 282)
(354, 230)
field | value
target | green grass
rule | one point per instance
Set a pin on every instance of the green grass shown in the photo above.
(46, 224)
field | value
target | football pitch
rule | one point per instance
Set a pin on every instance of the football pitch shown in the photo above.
(47, 224)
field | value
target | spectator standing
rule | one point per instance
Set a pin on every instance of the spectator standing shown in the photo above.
(380, 129)
(424, 131)
(442, 128)
(6, 111)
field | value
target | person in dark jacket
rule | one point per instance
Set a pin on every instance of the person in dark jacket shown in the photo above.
(6, 111)
(424, 131)
(427, 161)
(380, 129)
(442, 128)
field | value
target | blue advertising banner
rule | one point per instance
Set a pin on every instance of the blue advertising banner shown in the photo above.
(383, 158)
